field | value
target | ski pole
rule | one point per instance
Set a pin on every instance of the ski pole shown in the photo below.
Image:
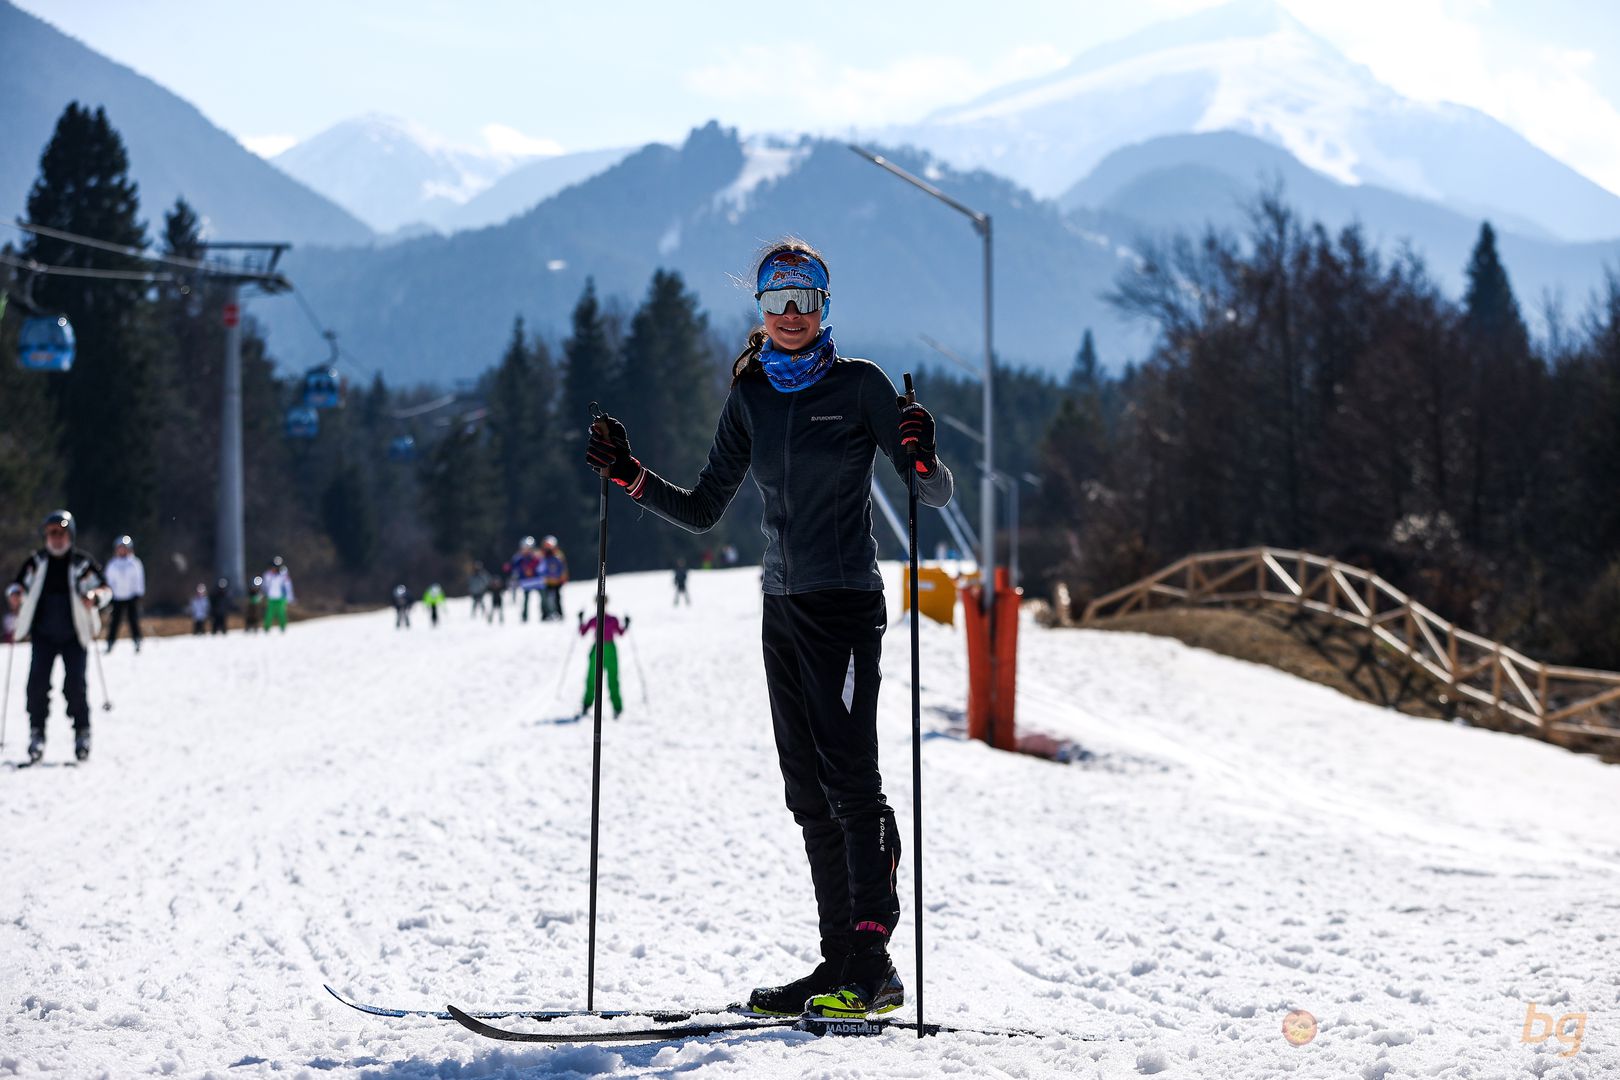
(599, 422)
(5, 702)
(106, 703)
(916, 716)
(563, 674)
(635, 654)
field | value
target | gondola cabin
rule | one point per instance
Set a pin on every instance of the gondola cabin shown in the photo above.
(45, 344)
(402, 449)
(303, 422)
(322, 389)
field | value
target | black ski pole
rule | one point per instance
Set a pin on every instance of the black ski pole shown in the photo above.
(916, 715)
(5, 701)
(599, 421)
(106, 702)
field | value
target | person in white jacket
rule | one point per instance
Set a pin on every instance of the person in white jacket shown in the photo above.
(126, 577)
(56, 595)
(278, 593)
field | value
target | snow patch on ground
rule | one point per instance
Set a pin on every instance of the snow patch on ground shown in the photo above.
(406, 816)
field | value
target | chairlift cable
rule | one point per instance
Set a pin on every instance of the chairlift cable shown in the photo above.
(33, 267)
(199, 265)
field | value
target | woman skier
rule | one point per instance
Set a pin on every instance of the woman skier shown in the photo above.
(808, 423)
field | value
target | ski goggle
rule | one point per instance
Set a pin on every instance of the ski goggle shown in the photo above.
(775, 301)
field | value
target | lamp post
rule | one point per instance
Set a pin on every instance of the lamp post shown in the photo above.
(987, 487)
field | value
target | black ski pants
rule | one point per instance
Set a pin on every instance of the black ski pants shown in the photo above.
(73, 689)
(122, 609)
(822, 652)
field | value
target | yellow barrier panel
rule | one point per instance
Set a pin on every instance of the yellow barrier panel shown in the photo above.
(937, 592)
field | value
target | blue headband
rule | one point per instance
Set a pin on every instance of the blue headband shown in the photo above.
(794, 270)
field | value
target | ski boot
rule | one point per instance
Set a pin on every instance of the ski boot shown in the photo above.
(789, 999)
(869, 985)
(36, 749)
(81, 746)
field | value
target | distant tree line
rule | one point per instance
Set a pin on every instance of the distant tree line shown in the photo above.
(1306, 392)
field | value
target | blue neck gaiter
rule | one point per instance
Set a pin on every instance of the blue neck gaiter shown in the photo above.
(790, 372)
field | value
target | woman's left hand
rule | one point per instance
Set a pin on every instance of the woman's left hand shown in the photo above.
(917, 432)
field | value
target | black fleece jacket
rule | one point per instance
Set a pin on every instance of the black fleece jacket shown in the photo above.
(811, 453)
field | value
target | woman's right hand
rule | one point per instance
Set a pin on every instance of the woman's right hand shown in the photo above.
(608, 452)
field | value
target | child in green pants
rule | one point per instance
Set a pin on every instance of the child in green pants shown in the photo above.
(612, 628)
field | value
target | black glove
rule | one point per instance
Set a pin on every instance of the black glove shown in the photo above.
(609, 453)
(626, 626)
(582, 618)
(917, 432)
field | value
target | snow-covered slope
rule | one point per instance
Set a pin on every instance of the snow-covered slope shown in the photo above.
(1251, 67)
(401, 814)
(391, 172)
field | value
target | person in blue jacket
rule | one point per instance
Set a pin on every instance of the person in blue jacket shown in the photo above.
(808, 423)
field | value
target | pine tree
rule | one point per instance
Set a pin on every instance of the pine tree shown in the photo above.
(350, 519)
(1502, 369)
(30, 465)
(1084, 375)
(590, 374)
(104, 404)
(668, 398)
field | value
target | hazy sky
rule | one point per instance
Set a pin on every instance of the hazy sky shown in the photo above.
(551, 75)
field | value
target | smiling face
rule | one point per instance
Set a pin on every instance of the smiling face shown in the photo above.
(792, 331)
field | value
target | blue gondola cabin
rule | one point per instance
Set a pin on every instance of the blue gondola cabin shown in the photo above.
(303, 422)
(45, 344)
(322, 389)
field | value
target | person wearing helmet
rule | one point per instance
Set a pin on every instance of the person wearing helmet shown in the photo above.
(526, 572)
(553, 569)
(57, 596)
(253, 606)
(402, 608)
(278, 593)
(199, 610)
(126, 576)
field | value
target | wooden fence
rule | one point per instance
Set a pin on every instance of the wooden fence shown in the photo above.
(1552, 700)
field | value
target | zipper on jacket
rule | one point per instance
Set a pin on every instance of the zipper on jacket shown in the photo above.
(787, 503)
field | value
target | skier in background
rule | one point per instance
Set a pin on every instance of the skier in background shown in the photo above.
(219, 606)
(680, 584)
(431, 600)
(526, 572)
(199, 611)
(253, 607)
(126, 576)
(553, 573)
(611, 628)
(497, 597)
(807, 422)
(56, 597)
(278, 593)
(477, 586)
(402, 608)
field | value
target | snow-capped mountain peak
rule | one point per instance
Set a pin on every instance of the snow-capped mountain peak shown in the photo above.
(393, 172)
(1252, 67)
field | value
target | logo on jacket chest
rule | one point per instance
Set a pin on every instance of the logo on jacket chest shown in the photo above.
(820, 419)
